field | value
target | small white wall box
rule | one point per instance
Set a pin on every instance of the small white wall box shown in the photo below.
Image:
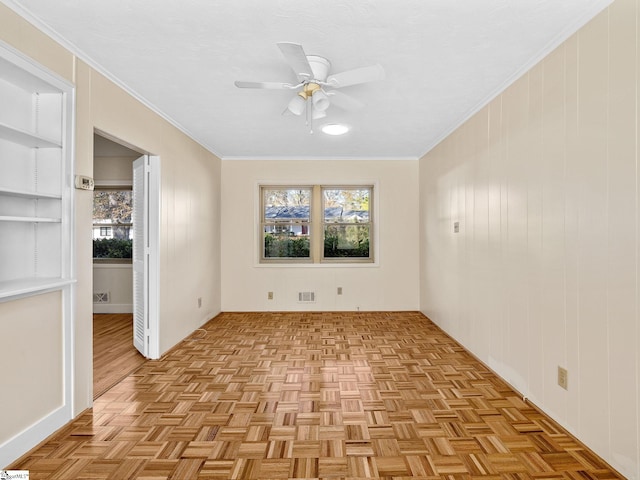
(84, 183)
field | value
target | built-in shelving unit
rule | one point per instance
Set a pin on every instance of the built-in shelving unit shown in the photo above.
(26, 138)
(36, 121)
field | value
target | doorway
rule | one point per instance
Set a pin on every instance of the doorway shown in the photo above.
(114, 241)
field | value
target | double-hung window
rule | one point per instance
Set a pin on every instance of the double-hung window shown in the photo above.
(313, 224)
(286, 221)
(346, 223)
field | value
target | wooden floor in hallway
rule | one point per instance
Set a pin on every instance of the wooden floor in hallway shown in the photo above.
(313, 396)
(114, 356)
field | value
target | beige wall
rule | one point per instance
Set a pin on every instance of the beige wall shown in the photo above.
(116, 279)
(115, 170)
(28, 326)
(392, 284)
(544, 272)
(190, 209)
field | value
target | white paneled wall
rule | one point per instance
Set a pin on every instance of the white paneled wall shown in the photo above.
(544, 270)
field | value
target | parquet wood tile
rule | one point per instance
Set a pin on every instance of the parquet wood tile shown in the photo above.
(313, 396)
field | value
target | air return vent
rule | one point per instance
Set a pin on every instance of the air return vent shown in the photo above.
(102, 297)
(306, 297)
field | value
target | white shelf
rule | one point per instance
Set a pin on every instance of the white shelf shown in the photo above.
(14, 288)
(36, 166)
(6, 218)
(24, 194)
(26, 80)
(27, 139)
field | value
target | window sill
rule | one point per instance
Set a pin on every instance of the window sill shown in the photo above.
(318, 265)
(112, 261)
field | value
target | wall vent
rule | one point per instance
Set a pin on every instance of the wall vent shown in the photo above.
(306, 297)
(102, 297)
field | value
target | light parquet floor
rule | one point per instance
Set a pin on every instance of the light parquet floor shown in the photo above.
(313, 395)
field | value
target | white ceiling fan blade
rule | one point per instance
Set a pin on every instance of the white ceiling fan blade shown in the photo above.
(267, 85)
(344, 101)
(297, 59)
(357, 75)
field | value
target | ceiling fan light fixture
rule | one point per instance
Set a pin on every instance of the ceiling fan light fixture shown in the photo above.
(312, 73)
(320, 100)
(297, 105)
(318, 114)
(335, 129)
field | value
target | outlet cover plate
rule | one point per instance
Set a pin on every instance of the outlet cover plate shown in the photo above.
(563, 378)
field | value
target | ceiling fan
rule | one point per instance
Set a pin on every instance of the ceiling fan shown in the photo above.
(315, 89)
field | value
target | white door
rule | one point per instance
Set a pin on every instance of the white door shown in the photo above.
(146, 236)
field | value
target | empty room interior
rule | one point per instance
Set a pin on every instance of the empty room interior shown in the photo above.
(282, 240)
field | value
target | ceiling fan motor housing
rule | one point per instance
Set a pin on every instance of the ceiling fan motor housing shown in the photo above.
(319, 66)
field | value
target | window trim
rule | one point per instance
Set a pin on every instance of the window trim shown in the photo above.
(370, 223)
(262, 224)
(317, 227)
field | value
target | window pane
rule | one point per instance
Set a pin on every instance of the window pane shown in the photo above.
(112, 230)
(112, 206)
(286, 241)
(342, 240)
(346, 205)
(286, 205)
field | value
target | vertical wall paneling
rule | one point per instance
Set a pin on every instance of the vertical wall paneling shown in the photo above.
(517, 121)
(572, 203)
(480, 290)
(534, 169)
(496, 314)
(544, 182)
(553, 178)
(622, 227)
(592, 224)
(637, 241)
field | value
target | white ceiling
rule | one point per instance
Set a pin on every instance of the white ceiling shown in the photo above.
(444, 59)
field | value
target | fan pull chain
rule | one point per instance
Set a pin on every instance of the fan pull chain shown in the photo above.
(310, 114)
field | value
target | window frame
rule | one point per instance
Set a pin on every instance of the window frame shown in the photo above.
(263, 223)
(316, 226)
(369, 223)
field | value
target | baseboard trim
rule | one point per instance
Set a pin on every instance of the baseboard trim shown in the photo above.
(112, 308)
(29, 438)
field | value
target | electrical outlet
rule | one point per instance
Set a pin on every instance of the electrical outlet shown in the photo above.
(269, 295)
(563, 378)
(339, 290)
(199, 302)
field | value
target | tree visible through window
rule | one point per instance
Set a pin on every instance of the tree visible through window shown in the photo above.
(346, 222)
(112, 227)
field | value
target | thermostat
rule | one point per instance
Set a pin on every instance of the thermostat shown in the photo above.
(84, 183)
